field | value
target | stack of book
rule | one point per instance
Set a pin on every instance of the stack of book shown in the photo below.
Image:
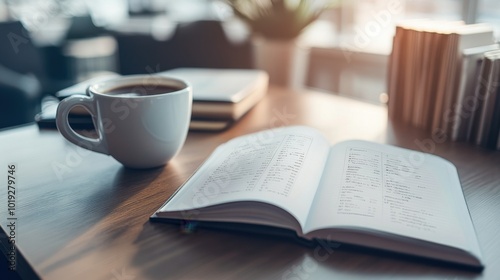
(433, 71)
(220, 97)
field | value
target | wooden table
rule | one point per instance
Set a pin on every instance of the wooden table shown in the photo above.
(81, 215)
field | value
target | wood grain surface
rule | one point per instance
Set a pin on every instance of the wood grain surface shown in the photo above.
(81, 215)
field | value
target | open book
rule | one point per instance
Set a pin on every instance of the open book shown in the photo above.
(354, 192)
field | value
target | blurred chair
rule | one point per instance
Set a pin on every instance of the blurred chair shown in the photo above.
(21, 70)
(84, 51)
(195, 44)
(18, 53)
(19, 97)
(83, 27)
(88, 57)
(29, 72)
(205, 44)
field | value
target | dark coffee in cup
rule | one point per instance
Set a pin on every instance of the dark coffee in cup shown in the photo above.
(140, 90)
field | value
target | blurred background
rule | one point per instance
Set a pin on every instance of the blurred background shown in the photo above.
(47, 45)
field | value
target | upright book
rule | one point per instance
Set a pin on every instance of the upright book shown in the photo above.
(424, 73)
(486, 118)
(354, 192)
(464, 109)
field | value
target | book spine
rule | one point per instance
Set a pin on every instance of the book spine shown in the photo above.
(409, 76)
(449, 47)
(436, 54)
(419, 74)
(463, 107)
(495, 122)
(492, 121)
(395, 60)
(481, 119)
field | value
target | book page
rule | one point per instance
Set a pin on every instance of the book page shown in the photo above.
(281, 167)
(393, 190)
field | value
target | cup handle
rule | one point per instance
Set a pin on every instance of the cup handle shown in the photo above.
(96, 145)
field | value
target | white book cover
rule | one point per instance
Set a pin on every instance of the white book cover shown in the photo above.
(220, 85)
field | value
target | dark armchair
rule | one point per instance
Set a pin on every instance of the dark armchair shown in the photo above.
(21, 71)
(193, 44)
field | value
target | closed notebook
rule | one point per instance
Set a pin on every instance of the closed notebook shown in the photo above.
(223, 93)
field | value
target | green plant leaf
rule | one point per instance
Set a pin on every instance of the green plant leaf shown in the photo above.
(277, 19)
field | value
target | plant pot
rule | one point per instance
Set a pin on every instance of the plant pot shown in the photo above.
(286, 61)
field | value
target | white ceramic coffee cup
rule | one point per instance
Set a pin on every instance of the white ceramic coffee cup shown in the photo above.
(138, 131)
